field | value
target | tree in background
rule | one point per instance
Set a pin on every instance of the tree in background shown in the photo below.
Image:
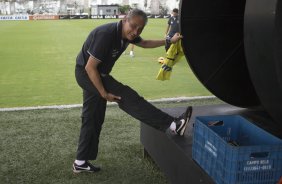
(124, 9)
(163, 10)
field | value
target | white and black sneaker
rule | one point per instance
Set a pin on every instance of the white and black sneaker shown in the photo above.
(182, 121)
(86, 167)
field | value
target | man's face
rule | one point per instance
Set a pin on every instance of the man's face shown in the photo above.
(133, 27)
(174, 14)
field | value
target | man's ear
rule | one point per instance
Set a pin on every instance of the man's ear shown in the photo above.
(124, 19)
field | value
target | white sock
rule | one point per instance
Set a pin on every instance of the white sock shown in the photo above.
(79, 162)
(172, 126)
(131, 53)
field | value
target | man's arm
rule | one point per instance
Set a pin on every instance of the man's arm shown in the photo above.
(94, 75)
(157, 43)
(167, 30)
(150, 43)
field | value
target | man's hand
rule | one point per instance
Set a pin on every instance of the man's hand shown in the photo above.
(94, 75)
(175, 38)
(111, 97)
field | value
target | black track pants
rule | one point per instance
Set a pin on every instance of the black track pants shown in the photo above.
(94, 107)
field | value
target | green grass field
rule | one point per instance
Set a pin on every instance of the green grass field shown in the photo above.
(37, 60)
(39, 146)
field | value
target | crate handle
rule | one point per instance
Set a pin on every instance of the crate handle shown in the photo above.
(215, 123)
(259, 155)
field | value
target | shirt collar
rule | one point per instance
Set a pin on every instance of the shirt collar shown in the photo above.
(119, 33)
(119, 29)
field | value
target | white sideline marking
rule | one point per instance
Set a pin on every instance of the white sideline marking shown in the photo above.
(177, 99)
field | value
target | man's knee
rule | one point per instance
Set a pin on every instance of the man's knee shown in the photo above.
(129, 98)
(129, 94)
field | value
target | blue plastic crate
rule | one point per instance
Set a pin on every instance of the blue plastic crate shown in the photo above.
(232, 150)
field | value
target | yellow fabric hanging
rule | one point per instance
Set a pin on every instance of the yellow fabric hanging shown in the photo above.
(173, 55)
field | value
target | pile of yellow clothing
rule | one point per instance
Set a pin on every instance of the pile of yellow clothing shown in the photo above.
(173, 55)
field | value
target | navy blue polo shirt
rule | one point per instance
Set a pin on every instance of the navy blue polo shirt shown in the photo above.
(174, 25)
(105, 44)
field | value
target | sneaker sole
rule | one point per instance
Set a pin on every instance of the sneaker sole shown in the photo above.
(81, 171)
